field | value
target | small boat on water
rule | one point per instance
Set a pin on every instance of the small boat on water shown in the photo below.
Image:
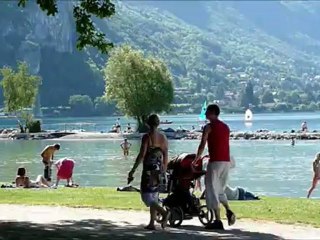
(248, 116)
(166, 122)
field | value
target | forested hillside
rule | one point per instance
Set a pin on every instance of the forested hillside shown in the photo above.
(214, 49)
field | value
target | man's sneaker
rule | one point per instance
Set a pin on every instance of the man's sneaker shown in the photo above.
(216, 225)
(231, 217)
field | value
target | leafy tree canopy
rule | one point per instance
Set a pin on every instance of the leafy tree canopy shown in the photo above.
(19, 87)
(248, 97)
(139, 85)
(267, 97)
(102, 107)
(81, 105)
(83, 13)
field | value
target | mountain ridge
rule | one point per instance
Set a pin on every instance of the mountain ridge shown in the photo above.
(221, 51)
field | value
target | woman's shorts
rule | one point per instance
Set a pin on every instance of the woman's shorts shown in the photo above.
(150, 198)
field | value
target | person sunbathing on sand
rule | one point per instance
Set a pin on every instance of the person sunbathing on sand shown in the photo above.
(316, 173)
(24, 181)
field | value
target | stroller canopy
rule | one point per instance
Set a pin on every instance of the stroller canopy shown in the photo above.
(182, 166)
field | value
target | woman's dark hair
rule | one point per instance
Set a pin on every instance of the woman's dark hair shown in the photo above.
(213, 109)
(21, 171)
(57, 146)
(153, 121)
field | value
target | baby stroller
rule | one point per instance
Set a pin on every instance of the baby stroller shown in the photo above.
(181, 202)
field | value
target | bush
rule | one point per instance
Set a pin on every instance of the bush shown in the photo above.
(81, 105)
(281, 107)
(102, 107)
(34, 126)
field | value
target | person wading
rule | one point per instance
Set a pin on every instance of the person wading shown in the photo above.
(154, 155)
(216, 134)
(47, 159)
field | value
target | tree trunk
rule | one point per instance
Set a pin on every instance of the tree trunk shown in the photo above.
(142, 127)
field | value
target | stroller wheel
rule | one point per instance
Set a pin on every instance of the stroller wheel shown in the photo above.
(176, 216)
(205, 216)
(159, 217)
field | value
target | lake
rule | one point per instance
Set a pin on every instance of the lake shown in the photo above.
(272, 168)
(270, 121)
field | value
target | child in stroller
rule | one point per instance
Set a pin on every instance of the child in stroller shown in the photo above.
(181, 202)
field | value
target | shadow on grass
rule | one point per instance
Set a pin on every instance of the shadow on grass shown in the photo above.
(101, 229)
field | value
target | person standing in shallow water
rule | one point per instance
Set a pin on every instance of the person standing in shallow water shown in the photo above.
(125, 145)
(216, 134)
(47, 158)
(154, 157)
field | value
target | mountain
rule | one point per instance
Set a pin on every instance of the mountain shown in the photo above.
(47, 44)
(213, 49)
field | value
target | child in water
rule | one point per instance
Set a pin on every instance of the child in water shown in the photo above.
(125, 147)
(316, 173)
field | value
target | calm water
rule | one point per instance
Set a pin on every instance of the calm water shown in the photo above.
(272, 168)
(272, 122)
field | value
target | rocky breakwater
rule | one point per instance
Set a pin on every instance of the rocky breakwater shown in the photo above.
(264, 135)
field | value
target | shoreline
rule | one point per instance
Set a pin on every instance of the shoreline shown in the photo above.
(177, 135)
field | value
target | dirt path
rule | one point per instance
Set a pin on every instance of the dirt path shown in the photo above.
(53, 223)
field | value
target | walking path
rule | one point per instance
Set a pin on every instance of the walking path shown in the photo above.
(54, 223)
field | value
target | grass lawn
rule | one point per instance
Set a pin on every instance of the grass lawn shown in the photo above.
(285, 210)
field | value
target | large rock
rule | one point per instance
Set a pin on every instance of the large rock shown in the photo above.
(56, 32)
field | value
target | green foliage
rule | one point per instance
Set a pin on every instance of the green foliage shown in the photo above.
(81, 105)
(34, 126)
(139, 85)
(82, 13)
(312, 107)
(248, 97)
(219, 93)
(102, 107)
(293, 98)
(281, 107)
(229, 48)
(267, 97)
(19, 87)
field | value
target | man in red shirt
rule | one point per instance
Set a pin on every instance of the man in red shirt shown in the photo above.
(216, 133)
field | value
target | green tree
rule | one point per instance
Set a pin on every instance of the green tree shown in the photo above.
(103, 107)
(210, 97)
(293, 98)
(81, 105)
(312, 106)
(139, 85)
(20, 90)
(267, 97)
(83, 12)
(281, 107)
(219, 92)
(248, 97)
(281, 95)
